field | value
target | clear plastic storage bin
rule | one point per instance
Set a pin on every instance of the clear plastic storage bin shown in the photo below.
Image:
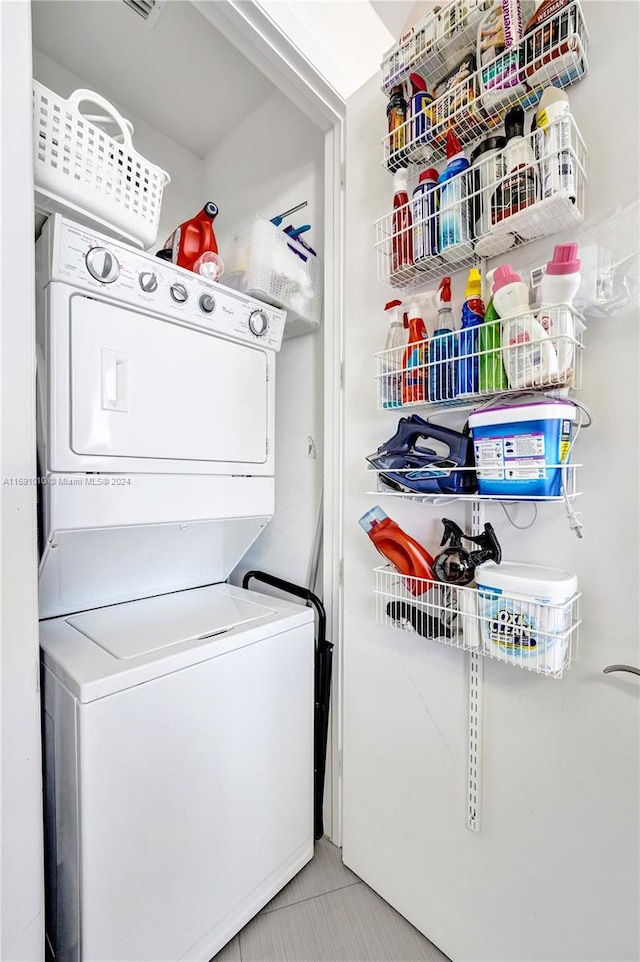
(267, 264)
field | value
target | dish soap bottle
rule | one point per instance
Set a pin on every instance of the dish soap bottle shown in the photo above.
(396, 118)
(467, 364)
(441, 347)
(454, 209)
(493, 376)
(391, 366)
(405, 553)
(529, 357)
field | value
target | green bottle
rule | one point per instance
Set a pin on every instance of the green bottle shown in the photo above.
(493, 376)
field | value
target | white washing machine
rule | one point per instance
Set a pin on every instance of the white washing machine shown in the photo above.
(178, 710)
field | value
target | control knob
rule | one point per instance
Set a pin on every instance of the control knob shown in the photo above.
(148, 282)
(102, 265)
(258, 323)
(207, 303)
(179, 293)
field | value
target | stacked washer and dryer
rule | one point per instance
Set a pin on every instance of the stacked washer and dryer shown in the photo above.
(178, 709)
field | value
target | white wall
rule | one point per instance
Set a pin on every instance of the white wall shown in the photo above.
(183, 198)
(553, 875)
(271, 161)
(21, 866)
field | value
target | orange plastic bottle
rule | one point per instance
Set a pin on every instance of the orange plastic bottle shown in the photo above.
(189, 241)
(404, 552)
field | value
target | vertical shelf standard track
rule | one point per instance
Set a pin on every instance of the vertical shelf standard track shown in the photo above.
(476, 675)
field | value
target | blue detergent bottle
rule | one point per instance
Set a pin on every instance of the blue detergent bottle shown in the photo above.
(441, 348)
(467, 366)
(454, 217)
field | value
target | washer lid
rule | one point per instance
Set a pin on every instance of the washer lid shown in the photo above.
(143, 627)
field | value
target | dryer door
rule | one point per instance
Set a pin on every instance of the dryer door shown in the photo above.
(146, 388)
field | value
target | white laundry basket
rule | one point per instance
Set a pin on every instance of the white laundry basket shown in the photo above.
(79, 169)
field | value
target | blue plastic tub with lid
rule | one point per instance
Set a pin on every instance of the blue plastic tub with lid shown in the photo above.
(519, 448)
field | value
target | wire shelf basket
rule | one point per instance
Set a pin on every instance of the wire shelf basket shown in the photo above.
(445, 478)
(524, 632)
(465, 367)
(473, 102)
(485, 211)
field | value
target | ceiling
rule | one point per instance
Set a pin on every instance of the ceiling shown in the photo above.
(186, 79)
(179, 74)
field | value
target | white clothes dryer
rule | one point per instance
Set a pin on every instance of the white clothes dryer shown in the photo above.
(178, 710)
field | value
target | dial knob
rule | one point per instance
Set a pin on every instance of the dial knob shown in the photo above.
(207, 303)
(148, 282)
(102, 265)
(179, 293)
(258, 323)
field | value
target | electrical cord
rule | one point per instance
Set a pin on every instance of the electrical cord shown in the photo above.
(574, 516)
(520, 527)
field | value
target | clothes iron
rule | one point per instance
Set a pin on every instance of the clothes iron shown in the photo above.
(405, 466)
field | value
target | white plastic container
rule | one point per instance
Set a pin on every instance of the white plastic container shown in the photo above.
(528, 353)
(81, 171)
(267, 264)
(557, 168)
(526, 614)
(559, 286)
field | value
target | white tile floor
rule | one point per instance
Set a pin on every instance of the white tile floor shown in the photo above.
(327, 914)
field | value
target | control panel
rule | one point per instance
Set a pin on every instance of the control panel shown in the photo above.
(85, 259)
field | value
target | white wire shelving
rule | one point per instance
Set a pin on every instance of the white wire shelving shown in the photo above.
(492, 211)
(466, 367)
(517, 631)
(390, 483)
(473, 102)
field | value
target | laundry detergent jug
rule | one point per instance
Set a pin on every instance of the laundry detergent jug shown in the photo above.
(193, 238)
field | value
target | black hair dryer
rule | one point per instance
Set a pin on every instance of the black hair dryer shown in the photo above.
(455, 565)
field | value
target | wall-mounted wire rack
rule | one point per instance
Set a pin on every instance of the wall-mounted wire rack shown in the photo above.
(528, 634)
(466, 367)
(473, 102)
(492, 210)
(449, 477)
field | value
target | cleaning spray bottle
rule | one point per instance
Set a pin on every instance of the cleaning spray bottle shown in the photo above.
(441, 347)
(392, 361)
(527, 351)
(402, 239)
(559, 286)
(493, 376)
(467, 366)
(405, 553)
(454, 206)
(414, 361)
(419, 103)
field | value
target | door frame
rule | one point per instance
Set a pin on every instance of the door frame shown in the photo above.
(245, 24)
(21, 826)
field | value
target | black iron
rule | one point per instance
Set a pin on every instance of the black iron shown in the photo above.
(322, 679)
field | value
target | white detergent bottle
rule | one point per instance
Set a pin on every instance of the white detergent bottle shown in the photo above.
(527, 351)
(558, 287)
